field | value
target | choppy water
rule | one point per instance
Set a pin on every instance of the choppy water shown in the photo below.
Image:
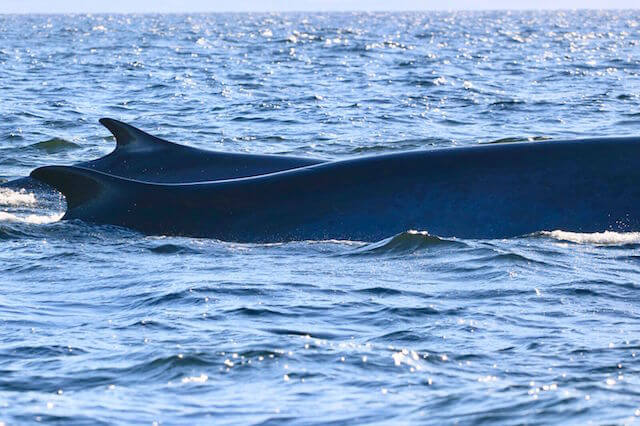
(104, 325)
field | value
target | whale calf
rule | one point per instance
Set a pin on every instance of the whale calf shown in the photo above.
(141, 156)
(488, 191)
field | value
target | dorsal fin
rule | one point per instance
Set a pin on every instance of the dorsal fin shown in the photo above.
(133, 139)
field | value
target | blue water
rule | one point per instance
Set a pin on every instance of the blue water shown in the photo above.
(104, 325)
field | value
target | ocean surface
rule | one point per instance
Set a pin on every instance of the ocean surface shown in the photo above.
(103, 325)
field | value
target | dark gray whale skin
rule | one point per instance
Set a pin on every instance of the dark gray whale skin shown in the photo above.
(141, 156)
(490, 191)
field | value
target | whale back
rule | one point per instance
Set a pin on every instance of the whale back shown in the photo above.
(491, 191)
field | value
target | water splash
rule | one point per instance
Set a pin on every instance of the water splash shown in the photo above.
(23, 200)
(9, 197)
(31, 218)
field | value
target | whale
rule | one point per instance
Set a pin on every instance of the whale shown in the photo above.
(477, 192)
(142, 156)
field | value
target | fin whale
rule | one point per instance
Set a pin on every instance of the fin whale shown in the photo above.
(488, 191)
(142, 156)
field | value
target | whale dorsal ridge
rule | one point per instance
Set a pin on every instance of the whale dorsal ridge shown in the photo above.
(133, 139)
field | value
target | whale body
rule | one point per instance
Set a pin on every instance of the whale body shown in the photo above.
(141, 156)
(488, 191)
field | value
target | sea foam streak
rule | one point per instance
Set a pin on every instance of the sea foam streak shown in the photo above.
(600, 238)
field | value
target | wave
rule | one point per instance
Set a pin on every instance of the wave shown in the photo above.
(405, 242)
(413, 241)
(172, 249)
(517, 139)
(383, 148)
(54, 145)
(20, 204)
(598, 238)
(9, 197)
(508, 103)
(628, 123)
(31, 218)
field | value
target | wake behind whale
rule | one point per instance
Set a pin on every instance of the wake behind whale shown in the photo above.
(490, 191)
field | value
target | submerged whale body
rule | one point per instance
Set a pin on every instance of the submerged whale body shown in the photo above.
(490, 191)
(141, 156)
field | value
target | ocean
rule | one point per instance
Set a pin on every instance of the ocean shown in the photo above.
(103, 325)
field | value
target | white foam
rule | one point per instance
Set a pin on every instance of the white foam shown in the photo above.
(9, 197)
(32, 218)
(599, 238)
